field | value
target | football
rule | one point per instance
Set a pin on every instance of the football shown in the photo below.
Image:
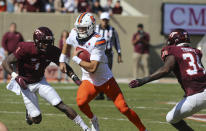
(84, 54)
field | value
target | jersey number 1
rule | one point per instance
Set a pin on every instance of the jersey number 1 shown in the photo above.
(194, 63)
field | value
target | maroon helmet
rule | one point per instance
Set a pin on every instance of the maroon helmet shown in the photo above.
(43, 38)
(178, 36)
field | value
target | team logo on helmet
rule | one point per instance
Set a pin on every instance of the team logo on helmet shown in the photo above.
(43, 38)
(178, 36)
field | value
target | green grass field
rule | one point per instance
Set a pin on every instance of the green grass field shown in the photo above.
(147, 101)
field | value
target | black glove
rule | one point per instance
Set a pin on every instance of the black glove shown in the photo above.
(21, 82)
(76, 79)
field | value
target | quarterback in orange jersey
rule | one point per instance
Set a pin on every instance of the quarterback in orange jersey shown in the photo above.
(96, 75)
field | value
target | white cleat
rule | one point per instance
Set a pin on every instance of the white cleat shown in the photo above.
(95, 124)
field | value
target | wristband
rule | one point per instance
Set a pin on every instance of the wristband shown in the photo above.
(14, 75)
(72, 76)
(76, 59)
(62, 58)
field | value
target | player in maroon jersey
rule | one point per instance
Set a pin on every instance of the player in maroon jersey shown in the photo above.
(186, 64)
(32, 58)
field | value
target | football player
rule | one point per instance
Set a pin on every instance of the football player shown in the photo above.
(96, 75)
(185, 62)
(32, 59)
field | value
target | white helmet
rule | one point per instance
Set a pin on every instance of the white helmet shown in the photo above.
(85, 20)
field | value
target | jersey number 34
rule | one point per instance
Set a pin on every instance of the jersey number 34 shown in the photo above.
(194, 64)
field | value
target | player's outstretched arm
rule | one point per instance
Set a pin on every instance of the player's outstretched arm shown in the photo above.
(7, 65)
(161, 72)
(11, 59)
(63, 57)
(72, 75)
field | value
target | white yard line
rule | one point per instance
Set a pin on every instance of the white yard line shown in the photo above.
(101, 118)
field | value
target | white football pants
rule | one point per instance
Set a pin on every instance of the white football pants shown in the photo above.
(186, 107)
(45, 91)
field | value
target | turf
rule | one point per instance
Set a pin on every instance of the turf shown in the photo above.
(147, 101)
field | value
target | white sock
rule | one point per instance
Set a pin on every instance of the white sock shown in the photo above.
(78, 120)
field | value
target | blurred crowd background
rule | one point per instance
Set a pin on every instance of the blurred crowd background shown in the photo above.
(60, 6)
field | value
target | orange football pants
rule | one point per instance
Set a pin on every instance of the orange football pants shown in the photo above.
(87, 91)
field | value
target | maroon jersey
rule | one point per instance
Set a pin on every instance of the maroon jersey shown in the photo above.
(188, 68)
(31, 63)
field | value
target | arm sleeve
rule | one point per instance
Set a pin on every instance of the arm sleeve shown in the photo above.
(116, 41)
(98, 53)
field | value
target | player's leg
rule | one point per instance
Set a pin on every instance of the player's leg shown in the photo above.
(185, 108)
(33, 114)
(85, 94)
(113, 91)
(110, 64)
(72, 115)
(50, 95)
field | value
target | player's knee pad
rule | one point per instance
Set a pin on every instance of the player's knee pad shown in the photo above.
(37, 119)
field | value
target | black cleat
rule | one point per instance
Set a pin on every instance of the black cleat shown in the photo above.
(28, 121)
